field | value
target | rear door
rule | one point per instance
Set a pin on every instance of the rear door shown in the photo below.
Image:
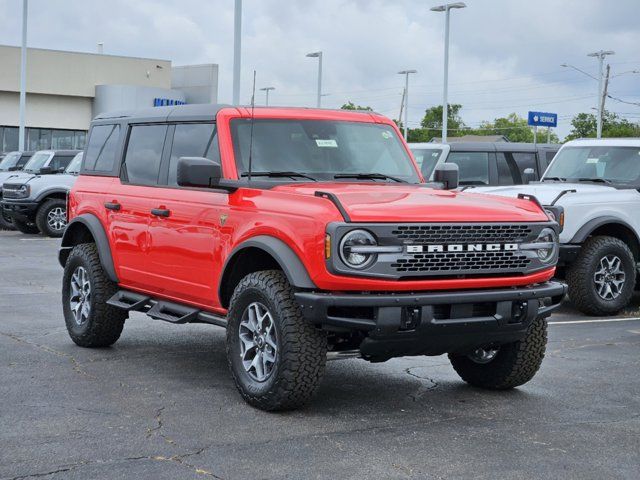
(184, 256)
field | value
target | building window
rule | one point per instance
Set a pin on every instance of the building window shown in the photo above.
(9, 139)
(62, 139)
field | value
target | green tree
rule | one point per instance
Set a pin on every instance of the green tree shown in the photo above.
(514, 128)
(352, 106)
(585, 126)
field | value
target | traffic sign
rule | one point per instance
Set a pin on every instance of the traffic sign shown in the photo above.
(542, 119)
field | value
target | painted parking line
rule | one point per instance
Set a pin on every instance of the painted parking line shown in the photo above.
(596, 320)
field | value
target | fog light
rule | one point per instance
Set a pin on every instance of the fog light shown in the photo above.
(518, 311)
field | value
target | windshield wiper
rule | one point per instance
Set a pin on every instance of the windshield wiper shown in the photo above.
(556, 179)
(598, 180)
(279, 174)
(367, 176)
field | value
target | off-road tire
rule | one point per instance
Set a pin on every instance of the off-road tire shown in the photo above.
(6, 222)
(580, 276)
(302, 349)
(43, 212)
(26, 227)
(514, 365)
(105, 322)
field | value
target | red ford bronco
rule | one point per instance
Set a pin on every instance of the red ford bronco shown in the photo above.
(302, 232)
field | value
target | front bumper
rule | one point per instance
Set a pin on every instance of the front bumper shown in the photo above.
(24, 210)
(432, 323)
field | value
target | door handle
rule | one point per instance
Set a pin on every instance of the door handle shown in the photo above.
(115, 206)
(160, 212)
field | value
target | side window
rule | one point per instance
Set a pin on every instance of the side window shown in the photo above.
(144, 152)
(192, 140)
(23, 159)
(526, 160)
(101, 150)
(474, 167)
(60, 162)
(507, 170)
(549, 156)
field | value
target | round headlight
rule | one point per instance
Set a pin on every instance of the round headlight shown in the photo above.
(350, 252)
(548, 241)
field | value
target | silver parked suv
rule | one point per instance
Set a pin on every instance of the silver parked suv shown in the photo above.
(37, 203)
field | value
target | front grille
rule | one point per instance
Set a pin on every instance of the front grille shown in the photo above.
(462, 262)
(10, 190)
(425, 234)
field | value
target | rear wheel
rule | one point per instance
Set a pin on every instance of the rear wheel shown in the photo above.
(506, 366)
(602, 279)
(276, 358)
(51, 218)
(25, 227)
(85, 291)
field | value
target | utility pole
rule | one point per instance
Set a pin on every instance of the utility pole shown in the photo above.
(237, 50)
(406, 74)
(605, 91)
(600, 56)
(23, 78)
(402, 105)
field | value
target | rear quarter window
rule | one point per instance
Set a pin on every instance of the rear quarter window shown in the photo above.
(473, 166)
(102, 148)
(144, 154)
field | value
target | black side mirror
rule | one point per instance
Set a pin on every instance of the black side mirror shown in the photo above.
(198, 172)
(14, 169)
(45, 171)
(528, 176)
(448, 174)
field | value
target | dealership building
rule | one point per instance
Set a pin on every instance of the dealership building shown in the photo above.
(65, 90)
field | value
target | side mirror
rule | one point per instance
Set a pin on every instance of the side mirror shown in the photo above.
(14, 169)
(198, 172)
(528, 176)
(448, 174)
(45, 171)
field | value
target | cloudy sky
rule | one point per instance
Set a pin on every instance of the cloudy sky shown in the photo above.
(505, 54)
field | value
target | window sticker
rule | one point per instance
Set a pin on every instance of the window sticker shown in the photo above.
(386, 134)
(592, 160)
(328, 143)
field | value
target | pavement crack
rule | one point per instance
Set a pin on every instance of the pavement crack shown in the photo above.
(157, 429)
(423, 388)
(61, 469)
(75, 364)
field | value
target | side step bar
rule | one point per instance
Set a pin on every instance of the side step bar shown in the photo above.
(163, 309)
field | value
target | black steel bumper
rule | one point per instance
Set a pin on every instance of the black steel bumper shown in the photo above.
(21, 210)
(432, 323)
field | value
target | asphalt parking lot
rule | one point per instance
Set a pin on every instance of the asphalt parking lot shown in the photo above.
(161, 404)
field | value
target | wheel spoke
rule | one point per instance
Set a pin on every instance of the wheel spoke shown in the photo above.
(258, 341)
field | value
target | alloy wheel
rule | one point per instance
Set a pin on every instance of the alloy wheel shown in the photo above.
(610, 277)
(258, 342)
(57, 219)
(80, 299)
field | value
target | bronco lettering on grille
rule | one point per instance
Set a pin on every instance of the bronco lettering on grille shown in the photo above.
(470, 247)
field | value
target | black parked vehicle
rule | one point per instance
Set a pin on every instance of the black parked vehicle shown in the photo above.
(486, 163)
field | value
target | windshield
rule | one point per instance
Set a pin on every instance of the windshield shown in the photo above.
(74, 167)
(427, 159)
(9, 161)
(322, 149)
(37, 162)
(606, 164)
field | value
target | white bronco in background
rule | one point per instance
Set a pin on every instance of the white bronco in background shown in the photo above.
(597, 184)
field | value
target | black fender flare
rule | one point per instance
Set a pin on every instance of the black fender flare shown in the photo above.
(93, 224)
(289, 262)
(42, 195)
(586, 230)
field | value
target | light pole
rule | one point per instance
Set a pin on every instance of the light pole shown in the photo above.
(318, 55)
(237, 50)
(406, 98)
(600, 55)
(266, 90)
(23, 78)
(445, 104)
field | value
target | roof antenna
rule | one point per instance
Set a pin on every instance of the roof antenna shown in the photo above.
(253, 106)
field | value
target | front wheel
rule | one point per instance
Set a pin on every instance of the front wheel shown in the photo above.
(51, 218)
(506, 366)
(602, 279)
(25, 227)
(276, 358)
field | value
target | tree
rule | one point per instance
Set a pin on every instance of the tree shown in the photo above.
(514, 128)
(431, 124)
(585, 126)
(352, 106)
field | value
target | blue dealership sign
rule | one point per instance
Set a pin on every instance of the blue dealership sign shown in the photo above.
(166, 102)
(542, 119)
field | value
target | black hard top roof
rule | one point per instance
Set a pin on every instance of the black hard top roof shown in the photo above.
(205, 111)
(500, 147)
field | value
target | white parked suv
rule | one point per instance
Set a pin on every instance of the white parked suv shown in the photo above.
(596, 182)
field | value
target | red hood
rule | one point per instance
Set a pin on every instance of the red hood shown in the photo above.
(413, 203)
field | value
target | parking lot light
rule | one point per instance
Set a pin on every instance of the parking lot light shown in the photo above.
(406, 98)
(318, 55)
(266, 90)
